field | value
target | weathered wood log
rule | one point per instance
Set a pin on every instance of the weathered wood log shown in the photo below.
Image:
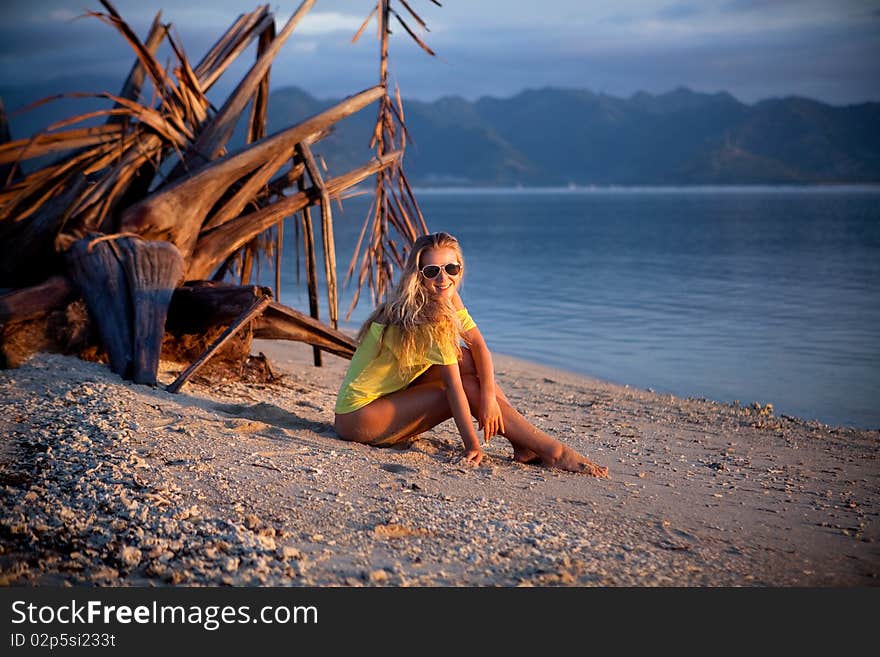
(256, 308)
(199, 312)
(278, 322)
(96, 268)
(153, 270)
(177, 212)
(215, 245)
(199, 305)
(32, 302)
(45, 317)
(245, 194)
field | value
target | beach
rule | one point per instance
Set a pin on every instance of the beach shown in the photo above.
(233, 483)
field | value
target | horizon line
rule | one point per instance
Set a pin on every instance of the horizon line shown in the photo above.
(476, 98)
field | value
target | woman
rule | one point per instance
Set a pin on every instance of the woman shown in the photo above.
(409, 372)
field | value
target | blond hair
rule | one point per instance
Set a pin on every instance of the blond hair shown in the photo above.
(421, 320)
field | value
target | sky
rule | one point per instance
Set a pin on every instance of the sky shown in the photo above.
(754, 49)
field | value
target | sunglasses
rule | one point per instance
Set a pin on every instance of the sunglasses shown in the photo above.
(432, 271)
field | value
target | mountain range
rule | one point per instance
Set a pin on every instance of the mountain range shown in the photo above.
(557, 136)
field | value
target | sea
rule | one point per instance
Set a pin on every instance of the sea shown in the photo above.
(746, 294)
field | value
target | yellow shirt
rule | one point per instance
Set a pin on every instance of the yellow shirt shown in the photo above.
(374, 370)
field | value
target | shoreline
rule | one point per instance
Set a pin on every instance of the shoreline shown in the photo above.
(732, 188)
(110, 483)
(812, 421)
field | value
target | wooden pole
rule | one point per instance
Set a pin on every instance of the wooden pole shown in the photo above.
(326, 231)
(311, 265)
(247, 264)
(279, 244)
(257, 308)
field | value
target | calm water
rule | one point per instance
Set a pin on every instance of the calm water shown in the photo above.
(753, 294)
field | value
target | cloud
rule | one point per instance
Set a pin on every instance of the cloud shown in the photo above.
(752, 48)
(62, 15)
(303, 46)
(316, 23)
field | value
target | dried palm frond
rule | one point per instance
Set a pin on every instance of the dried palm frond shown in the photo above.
(394, 220)
(160, 167)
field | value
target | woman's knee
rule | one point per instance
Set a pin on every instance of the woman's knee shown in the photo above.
(352, 429)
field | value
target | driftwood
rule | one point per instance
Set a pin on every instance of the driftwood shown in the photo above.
(97, 271)
(29, 303)
(127, 232)
(216, 244)
(198, 313)
(217, 132)
(65, 329)
(256, 308)
(153, 270)
(178, 211)
(279, 322)
(45, 317)
(127, 284)
(197, 306)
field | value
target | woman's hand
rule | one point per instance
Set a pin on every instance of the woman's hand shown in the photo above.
(490, 420)
(473, 456)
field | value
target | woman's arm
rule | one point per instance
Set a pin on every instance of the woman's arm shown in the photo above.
(461, 412)
(490, 413)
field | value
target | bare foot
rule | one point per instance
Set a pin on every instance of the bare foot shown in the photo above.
(571, 461)
(525, 455)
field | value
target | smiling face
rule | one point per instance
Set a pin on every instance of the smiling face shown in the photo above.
(443, 285)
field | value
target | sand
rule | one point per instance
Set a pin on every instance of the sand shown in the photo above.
(228, 483)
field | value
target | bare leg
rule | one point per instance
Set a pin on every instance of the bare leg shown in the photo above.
(530, 444)
(467, 368)
(423, 405)
(396, 417)
(527, 439)
(520, 454)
